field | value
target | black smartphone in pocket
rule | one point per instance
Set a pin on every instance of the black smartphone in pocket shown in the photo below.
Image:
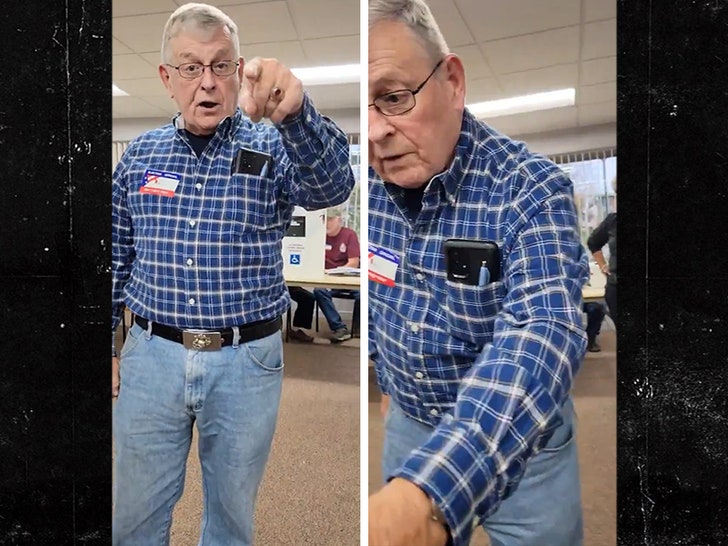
(472, 262)
(251, 162)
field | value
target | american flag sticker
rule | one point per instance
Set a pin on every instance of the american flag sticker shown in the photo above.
(159, 183)
(383, 265)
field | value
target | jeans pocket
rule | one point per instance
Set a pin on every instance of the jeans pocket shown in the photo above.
(560, 439)
(563, 436)
(133, 336)
(267, 352)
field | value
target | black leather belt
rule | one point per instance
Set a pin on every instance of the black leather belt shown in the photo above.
(213, 340)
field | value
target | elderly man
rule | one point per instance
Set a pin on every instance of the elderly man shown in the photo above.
(200, 207)
(342, 250)
(476, 271)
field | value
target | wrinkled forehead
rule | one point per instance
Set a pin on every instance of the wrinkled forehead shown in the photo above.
(395, 54)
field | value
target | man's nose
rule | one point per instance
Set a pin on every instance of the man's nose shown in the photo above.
(208, 79)
(380, 126)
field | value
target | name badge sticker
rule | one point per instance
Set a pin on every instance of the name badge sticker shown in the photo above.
(383, 265)
(159, 183)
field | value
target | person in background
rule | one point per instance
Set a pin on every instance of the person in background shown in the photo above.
(342, 250)
(199, 209)
(594, 317)
(303, 316)
(606, 234)
(476, 378)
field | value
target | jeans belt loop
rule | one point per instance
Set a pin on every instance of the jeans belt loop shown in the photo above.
(236, 337)
(148, 331)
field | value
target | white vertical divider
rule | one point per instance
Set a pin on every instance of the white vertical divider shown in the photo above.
(364, 294)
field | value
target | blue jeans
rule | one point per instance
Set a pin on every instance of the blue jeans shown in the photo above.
(545, 509)
(594, 317)
(233, 396)
(326, 303)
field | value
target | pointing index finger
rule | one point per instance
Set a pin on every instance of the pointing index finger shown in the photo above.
(252, 69)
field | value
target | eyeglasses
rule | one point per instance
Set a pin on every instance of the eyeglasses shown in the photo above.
(192, 71)
(400, 101)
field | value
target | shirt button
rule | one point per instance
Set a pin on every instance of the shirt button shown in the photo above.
(198, 186)
(420, 277)
(434, 412)
(190, 261)
(192, 223)
(419, 375)
(415, 328)
(191, 301)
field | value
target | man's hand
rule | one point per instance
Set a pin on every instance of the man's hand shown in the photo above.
(399, 515)
(270, 90)
(114, 377)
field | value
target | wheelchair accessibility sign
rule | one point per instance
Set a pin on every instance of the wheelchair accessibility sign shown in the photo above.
(295, 259)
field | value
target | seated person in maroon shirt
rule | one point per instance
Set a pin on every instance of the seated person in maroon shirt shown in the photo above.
(342, 250)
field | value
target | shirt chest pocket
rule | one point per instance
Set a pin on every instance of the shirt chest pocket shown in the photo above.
(250, 202)
(471, 310)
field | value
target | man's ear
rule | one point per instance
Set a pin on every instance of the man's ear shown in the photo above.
(456, 77)
(241, 65)
(165, 77)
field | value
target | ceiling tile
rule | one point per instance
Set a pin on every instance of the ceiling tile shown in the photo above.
(483, 89)
(496, 19)
(452, 26)
(540, 80)
(337, 50)
(595, 10)
(474, 62)
(532, 51)
(128, 67)
(117, 48)
(142, 33)
(263, 22)
(600, 40)
(599, 71)
(322, 18)
(289, 53)
(601, 92)
(121, 8)
(595, 114)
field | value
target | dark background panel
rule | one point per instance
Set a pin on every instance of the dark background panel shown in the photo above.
(673, 323)
(688, 135)
(55, 132)
(633, 175)
(34, 125)
(36, 402)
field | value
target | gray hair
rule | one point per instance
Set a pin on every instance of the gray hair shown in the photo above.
(417, 16)
(198, 17)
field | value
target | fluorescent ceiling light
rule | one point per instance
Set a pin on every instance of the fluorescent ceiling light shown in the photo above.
(525, 103)
(328, 75)
(116, 92)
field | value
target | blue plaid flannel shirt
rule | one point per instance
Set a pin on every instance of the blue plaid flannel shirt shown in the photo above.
(211, 256)
(489, 367)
